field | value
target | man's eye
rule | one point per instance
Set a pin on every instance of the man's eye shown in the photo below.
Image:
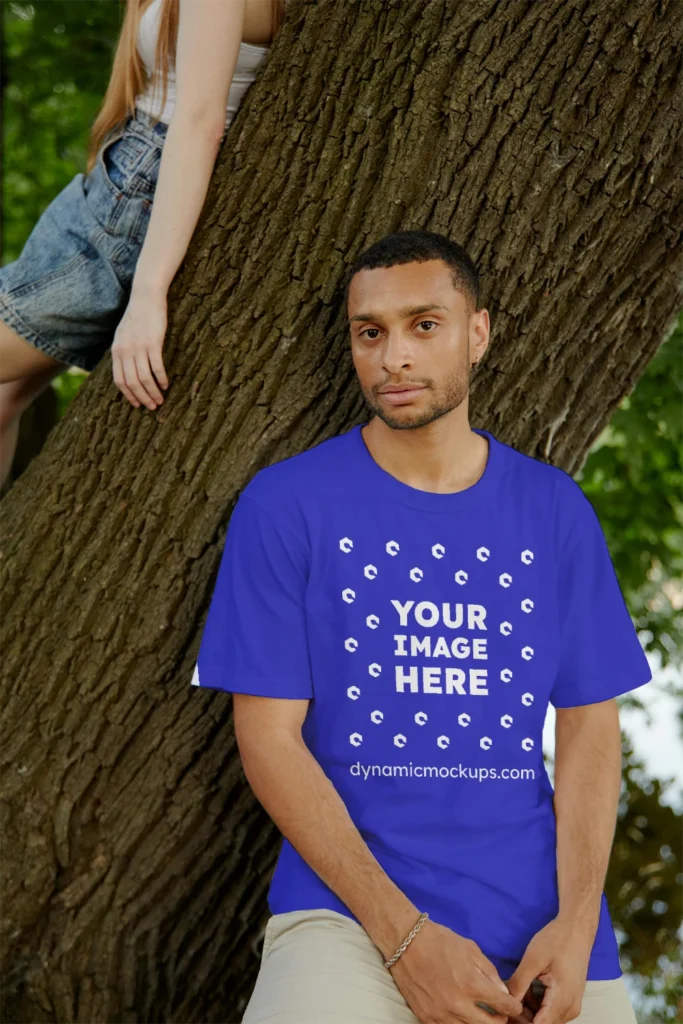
(376, 330)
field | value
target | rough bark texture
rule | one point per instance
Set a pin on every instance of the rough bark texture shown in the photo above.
(3, 86)
(543, 137)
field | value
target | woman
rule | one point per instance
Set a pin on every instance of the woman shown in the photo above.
(96, 269)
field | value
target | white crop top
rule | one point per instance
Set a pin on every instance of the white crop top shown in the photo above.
(248, 59)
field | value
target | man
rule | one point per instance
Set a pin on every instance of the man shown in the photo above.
(394, 610)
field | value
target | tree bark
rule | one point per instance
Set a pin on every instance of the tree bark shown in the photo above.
(4, 81)
(545, 137)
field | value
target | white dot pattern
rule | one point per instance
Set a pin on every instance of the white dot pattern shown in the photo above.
(460, 577)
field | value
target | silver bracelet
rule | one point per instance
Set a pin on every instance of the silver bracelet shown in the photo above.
(423, 917)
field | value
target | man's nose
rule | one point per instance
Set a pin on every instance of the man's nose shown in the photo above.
(396, 353)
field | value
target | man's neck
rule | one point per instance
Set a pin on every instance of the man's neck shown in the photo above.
(443, 456)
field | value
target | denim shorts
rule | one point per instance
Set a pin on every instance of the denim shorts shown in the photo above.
(68, 290)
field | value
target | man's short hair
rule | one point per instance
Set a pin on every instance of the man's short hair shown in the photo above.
(419, 246)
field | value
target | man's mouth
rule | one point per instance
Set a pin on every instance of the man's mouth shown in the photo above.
(401, 394)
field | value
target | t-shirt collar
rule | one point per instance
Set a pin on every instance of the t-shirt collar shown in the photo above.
(379, 482)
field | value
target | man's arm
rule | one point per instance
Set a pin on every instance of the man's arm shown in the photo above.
(302, 801)
(587, 784)
(442, 975)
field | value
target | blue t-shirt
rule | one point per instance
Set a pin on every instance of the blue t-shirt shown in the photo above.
(429, 632)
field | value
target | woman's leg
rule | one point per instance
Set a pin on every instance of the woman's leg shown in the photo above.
(18, 390)
(19, 359)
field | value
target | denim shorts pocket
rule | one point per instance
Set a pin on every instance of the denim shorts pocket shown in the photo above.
(112, 170)
(129, 164)
(120, 197)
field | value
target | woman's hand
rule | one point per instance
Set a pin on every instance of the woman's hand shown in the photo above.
(136, 350)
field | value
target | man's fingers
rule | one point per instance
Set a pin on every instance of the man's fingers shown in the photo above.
(484, 965)
(554, 1007)
(491, 1012)
(524, 1017)
(499, 999)
(548, 1014)
(528, 969)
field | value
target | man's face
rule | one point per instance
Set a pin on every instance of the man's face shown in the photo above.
(432, 349)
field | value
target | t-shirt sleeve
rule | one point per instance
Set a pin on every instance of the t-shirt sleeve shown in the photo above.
(600, 653)
(254, 639)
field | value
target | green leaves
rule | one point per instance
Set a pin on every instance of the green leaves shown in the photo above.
(57, 60)
(634, 478)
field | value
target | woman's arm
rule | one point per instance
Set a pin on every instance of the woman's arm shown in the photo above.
(209, 36)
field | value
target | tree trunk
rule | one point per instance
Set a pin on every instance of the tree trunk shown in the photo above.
(543, 137)
(4, 81)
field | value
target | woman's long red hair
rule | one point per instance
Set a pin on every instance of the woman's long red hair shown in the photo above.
(128, 75)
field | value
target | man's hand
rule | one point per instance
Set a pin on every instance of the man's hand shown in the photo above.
(136, 350)
(558, 956)
(446, 977)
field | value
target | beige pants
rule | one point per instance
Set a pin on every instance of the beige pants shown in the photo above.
(319, 967)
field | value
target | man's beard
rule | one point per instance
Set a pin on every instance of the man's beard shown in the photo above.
(443, 399)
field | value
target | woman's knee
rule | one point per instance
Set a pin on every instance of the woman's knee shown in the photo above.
(20, 360)
(17, 395)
